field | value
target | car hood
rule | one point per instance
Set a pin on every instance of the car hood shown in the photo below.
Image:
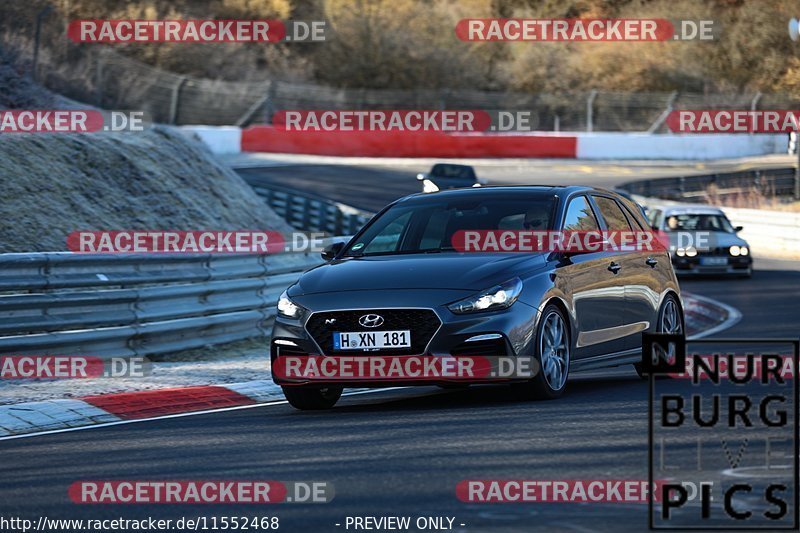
(457, 271)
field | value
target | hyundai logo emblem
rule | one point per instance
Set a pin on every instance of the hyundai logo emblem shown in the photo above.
(371, 320)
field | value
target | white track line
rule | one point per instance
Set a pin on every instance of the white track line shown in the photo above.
(734, 316)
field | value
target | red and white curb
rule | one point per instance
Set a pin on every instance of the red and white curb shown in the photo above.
(704, 317)
(49, 415)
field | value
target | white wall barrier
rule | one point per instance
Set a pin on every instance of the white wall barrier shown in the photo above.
(602, 145)
(220, 139)
(669, 146)
(769, 233)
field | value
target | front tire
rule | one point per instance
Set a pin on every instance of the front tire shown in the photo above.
(312, 399)
(553, 353)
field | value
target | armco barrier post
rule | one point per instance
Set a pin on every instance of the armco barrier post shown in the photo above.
(590, 110)
(797, 169)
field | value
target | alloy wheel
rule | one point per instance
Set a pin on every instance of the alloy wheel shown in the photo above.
(554, 350)
(670, 318)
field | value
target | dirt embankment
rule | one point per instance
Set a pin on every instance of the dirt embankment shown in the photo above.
(53, 184)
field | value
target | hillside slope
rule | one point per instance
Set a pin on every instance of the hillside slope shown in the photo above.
(54, 184)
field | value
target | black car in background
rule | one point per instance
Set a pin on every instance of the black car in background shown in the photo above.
(448, 176)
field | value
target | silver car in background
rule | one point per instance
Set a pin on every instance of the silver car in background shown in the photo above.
(702, 240)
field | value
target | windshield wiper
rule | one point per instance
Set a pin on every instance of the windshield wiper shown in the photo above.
(403, 252)
(437, 250)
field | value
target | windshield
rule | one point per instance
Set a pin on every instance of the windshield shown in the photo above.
(443, 170)
(428, 226)
(693, 222)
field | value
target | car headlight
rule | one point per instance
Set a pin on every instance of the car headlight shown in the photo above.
(691, 251)
(735, 250)
(498, 297)
(744, 250)
(680, 252)
(288, 308)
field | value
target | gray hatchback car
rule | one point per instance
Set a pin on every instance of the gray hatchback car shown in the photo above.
(401, 276)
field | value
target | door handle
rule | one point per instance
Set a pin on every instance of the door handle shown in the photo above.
(614, 267)
(652, 262)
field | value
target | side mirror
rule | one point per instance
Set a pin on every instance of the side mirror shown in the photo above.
(738, 228)
(420, 176)
(330, 251)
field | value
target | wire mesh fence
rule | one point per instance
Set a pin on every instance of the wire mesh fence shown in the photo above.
(102, 77)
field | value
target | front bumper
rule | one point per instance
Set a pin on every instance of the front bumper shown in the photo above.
(500, 333)
(737, 266)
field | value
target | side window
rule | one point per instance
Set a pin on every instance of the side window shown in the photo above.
(653, 217)
(580, 216)
(388, 239)
(612, 213)
(433, 234)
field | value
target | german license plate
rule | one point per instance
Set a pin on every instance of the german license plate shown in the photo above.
(365, 340)
(713, 261)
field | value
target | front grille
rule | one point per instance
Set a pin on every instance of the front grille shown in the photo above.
(422, 323)
(718, 251)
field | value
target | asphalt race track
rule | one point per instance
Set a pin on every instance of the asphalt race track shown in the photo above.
(372, 183)
(396, 452)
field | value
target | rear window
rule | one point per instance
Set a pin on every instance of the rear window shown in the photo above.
(580, 216)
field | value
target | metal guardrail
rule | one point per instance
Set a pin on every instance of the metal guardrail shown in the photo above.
(770, 182)
(126, 305)
(309, 212)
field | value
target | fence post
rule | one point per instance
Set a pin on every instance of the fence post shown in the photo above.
(269, 103)
(664, 114)
(590, 110)
(754, 104)
(175, 99)
(797, 169)
(98, 79)
(37, 37)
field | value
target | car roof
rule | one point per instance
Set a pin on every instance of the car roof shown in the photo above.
(502, 190)
(692, 210)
